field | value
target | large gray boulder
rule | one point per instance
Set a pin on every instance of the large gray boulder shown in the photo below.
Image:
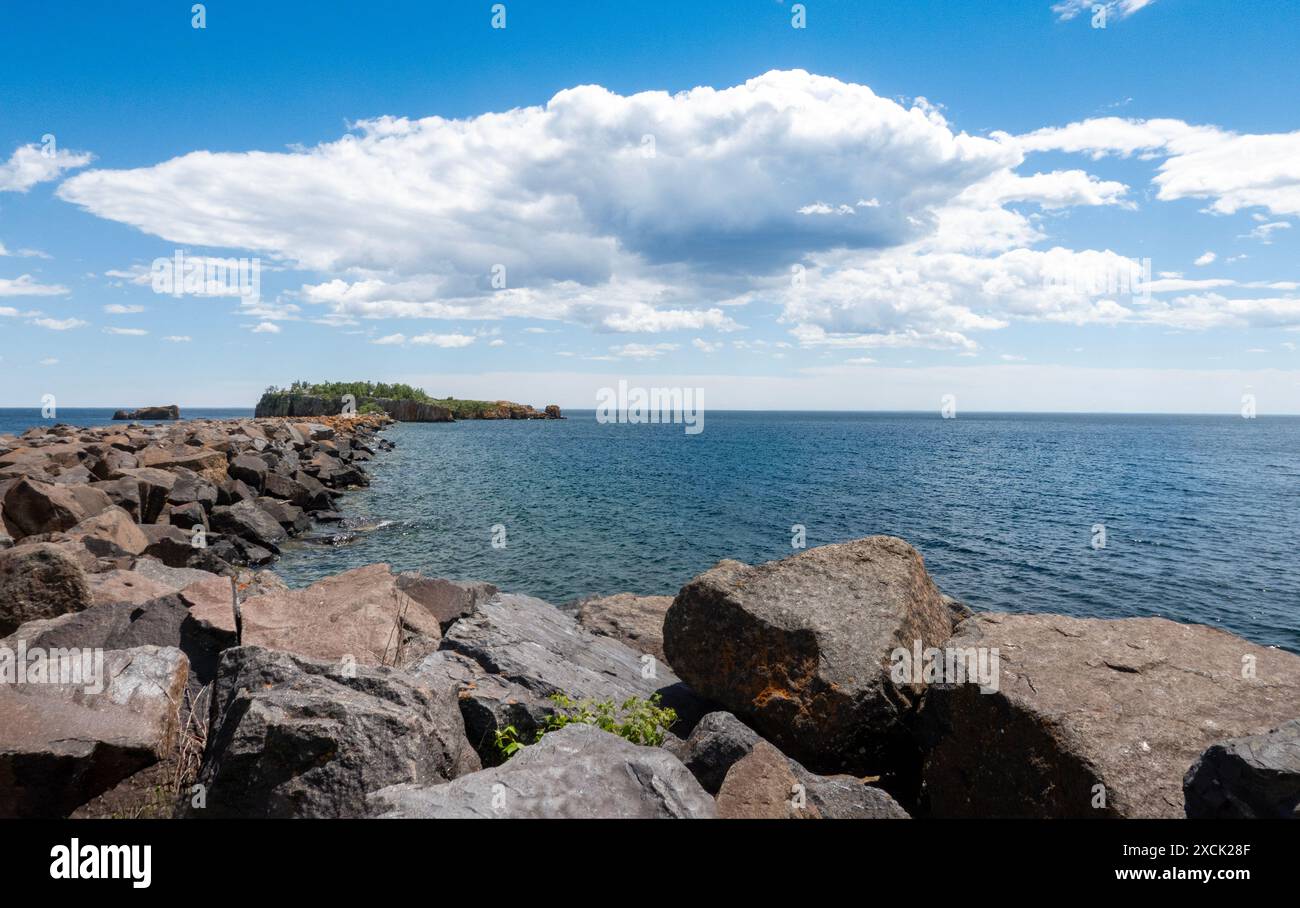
(1245, 778)
(293, 737)
(62, 744)
(447, 600)
(800, 648)
(1094, 717)
(39, 580)
(578, 772)
(534, 645)
(249, 522)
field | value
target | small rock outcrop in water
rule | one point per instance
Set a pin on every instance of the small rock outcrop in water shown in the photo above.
(169, 412)
(1257, 776)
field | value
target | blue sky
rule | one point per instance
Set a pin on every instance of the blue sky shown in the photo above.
(896, 202)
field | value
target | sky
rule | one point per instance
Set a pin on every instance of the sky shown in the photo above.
(1024, 204)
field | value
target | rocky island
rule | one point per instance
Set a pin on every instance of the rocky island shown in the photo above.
(402, 402)
(779, 690)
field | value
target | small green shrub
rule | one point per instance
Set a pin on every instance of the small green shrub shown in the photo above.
(638, 720)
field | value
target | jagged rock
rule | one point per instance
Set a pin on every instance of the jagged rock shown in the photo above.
(1094, 717)
(193, 490)
(533, 644)
(250, 523)
(124, 492)
(32, 507)
(289, 516)
(233, 491)
(359, 614)
(718, 742)
(292, 737)
(766, 785)
(108, 587)
(800, 648)
(187, 516)
(110, 533)
(249, 470)
(1257, 776)
(488, 703)
(63, 744)
(636, 620)
(153, 486)
(446, 600)
(39, 581)
(576, 772)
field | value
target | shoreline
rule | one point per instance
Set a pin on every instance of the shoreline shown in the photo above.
(146, 544)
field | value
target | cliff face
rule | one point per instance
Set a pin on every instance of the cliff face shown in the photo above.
(307, 405)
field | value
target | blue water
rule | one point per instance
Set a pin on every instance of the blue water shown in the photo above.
(17, 421)
(1201, 514)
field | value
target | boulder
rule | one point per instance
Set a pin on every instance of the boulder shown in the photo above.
(531, 643)
(187, 516)
(39, 581)
(1257, 776)
(578, 772)
(63, 744)
(110, 533)
(290, 517)
(292, 737)
(131, 587)
(249, 522)
(718, 742)
(193, 490)
(249, 470)
(767, 785)
(232, 491)
(1094, 717)
(488, 703)
(636, 620)
(359, 614)
(32, 507)
(800, 649)
(446, 600)
(153, 486)
(123, 492)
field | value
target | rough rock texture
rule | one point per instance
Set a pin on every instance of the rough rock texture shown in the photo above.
(63, 744)
(132, 587)
(32, 507)
(249, 522)
(1246, 778)
(488, 703)
(800, 648)
(531, 643)
(576, 772)
(39, 581)
(765, 786)
(292, 737)
(635, 620)
(1125, 704)
(359, 614)
(446, 600)
(111, 532)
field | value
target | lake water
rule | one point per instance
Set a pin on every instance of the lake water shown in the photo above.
(1201, 513)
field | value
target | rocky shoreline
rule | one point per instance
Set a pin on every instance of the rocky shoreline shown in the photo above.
(831, 684)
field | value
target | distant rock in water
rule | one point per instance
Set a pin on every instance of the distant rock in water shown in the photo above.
(169, 412)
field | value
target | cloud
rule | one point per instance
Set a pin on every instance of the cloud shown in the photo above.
(49, 361)
(266, 328)
(864, 222)
(22, 253)
(177, 338)
(1068, 9)
(1234, 171)
(32, 164)
(1205, 258)
(127, 332)
(26, 285)
(642, 351)
(119, 309)
(59, 325)
(704, 346)
(1264, 232)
